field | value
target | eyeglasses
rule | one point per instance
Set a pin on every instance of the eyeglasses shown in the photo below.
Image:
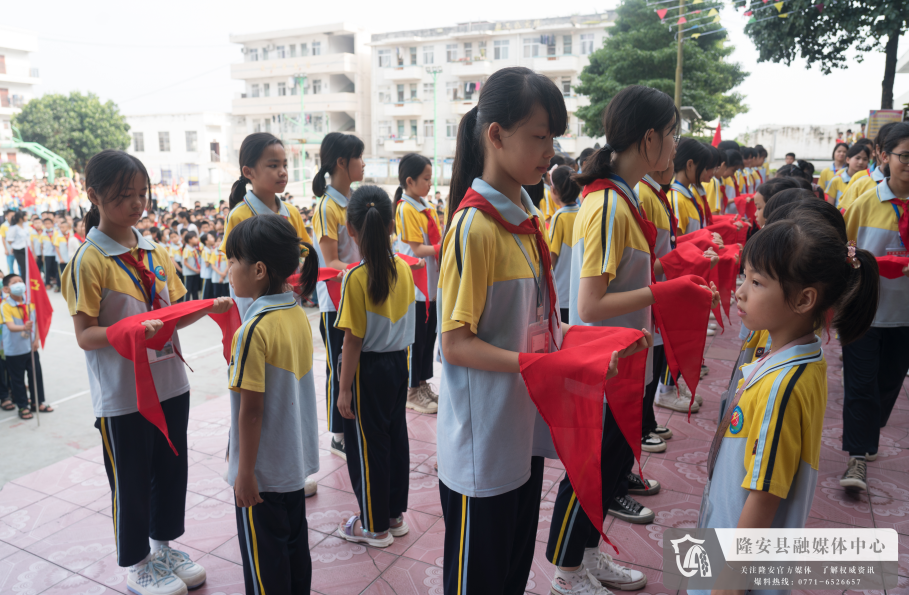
(676, 136)
(904, 157)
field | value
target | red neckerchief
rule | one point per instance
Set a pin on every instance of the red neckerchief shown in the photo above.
(903, 225)
(708, 215)
(80, 238)
(146, 277)
(647, 228)
(432, 228)
(473, 199)
(673, 222)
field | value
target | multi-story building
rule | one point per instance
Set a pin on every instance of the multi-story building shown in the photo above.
(195, 147)
(17, 79)
(416, 111)
(321, 72)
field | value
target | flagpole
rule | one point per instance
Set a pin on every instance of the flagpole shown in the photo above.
(33, 385)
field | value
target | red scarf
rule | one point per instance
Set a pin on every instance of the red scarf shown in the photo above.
(673, 222)
(473, 199)
(891, 267)
(647, 228)
(904, 220)
(432, 228)
(80, 238)
(328, 275)
(146, 277)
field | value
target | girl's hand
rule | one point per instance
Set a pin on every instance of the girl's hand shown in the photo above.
(716, 295)
(714, 258)
(345, 398)
(645, 342)
(418, 265)
(738, 225)
(246, 490)
(613, 365)
(718, 240)
(152, 327)
(906, 271)
(221, 305)
(28, 325)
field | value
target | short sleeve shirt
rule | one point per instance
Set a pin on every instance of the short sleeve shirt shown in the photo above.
(686, 212)
(561, 235)
(330, 220)
(412, 225)
(13, 342)
(193, 258)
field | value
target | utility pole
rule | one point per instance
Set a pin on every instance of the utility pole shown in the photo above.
(678, 61)
(434, 71)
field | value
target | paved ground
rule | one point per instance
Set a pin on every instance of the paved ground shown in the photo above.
(55, 526)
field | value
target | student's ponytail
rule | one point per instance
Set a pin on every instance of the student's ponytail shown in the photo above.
(335, 146)
(250, 152)
(92, 219)
(309, 270)
(853, 312)
(318, 182)
(468, 160)
(237, 191)
(370, 213)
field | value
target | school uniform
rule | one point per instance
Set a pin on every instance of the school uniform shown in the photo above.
(875, 365)
(827, 174)
(754, 345)
(857, 188)
(548, 207)
(271, 353)
(413, 225)
(715, 195)
(608, 241)
(330, 220)
(147, 480)
(219, 271)
(192, 257)
(877, 173)
(49, 252)
(18, 352)
(205, 273)
(176, 255)
(688, 213)
(840, 184)
(61, 243)
(491, 450)
(10, 257)
(561, 229)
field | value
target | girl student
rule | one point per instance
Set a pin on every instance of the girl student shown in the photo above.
(878, 173)
(206, 244)
(692, 160)
(734, 162)
(219, 274)
(192, 265)
(377, 315)
(839, 162)
(564, 193)
(875, 365)
(714, 189)
(274, 431)
(491, 451)
(763, 463)
(263, 165)
(419, 234)
(857, 158)
(117, 273)
(342, 158)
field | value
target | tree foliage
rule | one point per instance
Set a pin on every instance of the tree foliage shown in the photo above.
(75, 126)
(640, 50)
(823, 31)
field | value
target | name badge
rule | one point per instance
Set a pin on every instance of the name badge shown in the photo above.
(538, 337)
(165, 353)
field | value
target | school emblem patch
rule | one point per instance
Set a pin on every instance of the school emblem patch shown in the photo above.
(737, 422)
(759, 352)
(160, 274)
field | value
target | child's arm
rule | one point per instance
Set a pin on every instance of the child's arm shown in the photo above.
(190, 267)
(760, 508)
(221, 305)
(252, 406)
(18, 328)
(352, 347)
(90, 336)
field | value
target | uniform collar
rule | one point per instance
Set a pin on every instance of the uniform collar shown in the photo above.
(336, 196)
(877, 175)
(679, 187)
(651, 181)
(572, 208)
(884, 192)
(267, 303)
(416, 203)
(844, 174)
(109, 247)
(260, 208)
(507, 209)
(794, 356)
(626, 189)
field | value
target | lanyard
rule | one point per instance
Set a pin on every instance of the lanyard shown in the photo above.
(151, 302)
(536, 278)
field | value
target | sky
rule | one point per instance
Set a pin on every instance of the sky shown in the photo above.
(173, 56)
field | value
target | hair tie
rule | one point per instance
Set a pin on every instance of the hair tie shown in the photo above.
(370, 204)
(553, 168)
(304, 251)
(850, 255)
(607, 147)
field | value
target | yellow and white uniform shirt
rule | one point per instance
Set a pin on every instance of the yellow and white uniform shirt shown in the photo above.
(687, 211)
(489, 283)
(729, 188)
(14, 313)
(561, 239)
(97, 283)
(4, 227)
(857, 188)
(192, 257)
(547, 205)
(385, 327)
(412, 226)
(773, 441)
(841, 183)
(252, 206)
(658, 213)
(827, 174)
(877, 173)
(872, 221)
(271, 353)
(61, 242)
(715, 191)
(330, 220)
(48, 248)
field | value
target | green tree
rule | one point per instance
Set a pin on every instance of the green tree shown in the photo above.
(640, 50)
(822, 31)
(75, 126)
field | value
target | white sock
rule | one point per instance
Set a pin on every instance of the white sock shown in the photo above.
(138, 565)
(339, 437)
(572, 577)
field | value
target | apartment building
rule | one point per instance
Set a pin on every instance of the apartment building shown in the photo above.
(322, 72)
(415, 112)
(17, 80)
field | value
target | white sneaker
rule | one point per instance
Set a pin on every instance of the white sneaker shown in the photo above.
(576, 582)
(154, 578)
(610, 574)
(192, 574)
(427, 390)
(672, 400)
(711, 332)
(419, 401)
(712, 326)
(652, 443)
(310, 488)
(686, 393)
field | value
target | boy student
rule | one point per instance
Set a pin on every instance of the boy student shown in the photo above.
(19, 341)
(49, 251)
(790, 158)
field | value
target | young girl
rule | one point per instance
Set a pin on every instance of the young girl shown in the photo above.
(856, 163)
(207, 242)
(564, 192)
(376, 315)
(117, 273)
(734, 163)
(419, 235)
(839, 162)
(175, 249)
(219, 274)
(691, 161)
(342, 158)
(796, 271)
(192, 265)
(875, 366)
(274, 431)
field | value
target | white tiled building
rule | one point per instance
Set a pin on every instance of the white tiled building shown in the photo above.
(333, 58)
(17, 80)
(403, 92)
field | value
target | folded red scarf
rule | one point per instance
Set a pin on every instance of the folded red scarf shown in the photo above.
(891, 267)
(328, 275)
(127, 337)
(744, 204)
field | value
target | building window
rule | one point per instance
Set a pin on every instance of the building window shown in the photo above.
(413, 129)
(428, 55)
(384, 129)
(268, 125)
(266, 88)
(451, 52)
(451, 128)
(566, 44)
(468, 51)
(293, 50)
(429, 129)
(550, 45)
(429, 90)
(264, 53)
(192, 141)
(413, 56)
(138, 142)
(566, 86)
(317, 123)
(164, 142)
(586, 43)
(294, 87)
(481, 47)
(531, 47)
(304, 49)
(400, 90)
(253, 54)
(254, 90)
(317, 86)
(400, 129)
(317, 48)
(279, 52)
(413, 91)
(282, 89)
(384, 58)
(451, 90)
(257, 125)
(500, 49)
(384, 94)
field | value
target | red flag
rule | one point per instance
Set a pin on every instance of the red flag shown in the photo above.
(36, 293)
(662, 13)
(71, 194)
(30, 196)
(717, 137)
(682, 20)
(127, 337)
(891, 267)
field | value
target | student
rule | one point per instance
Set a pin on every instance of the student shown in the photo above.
(760, 164)
(107, 280)
(192, 265)
(219, 274)
(419, 234)
(691, 161)
(376, 314)
(857, 158)
(714, 188)
(734, 162)
(565, 193)
(877, 169)
(207, 242)
(61, 246)
(49, 252)
(7, 249)
(875, 365)
(20, 340)
(839, 162)
(342, 159)
(263, 165)
(765, 191)
(274, 434)
(863, 184)
(175, 249)
(796, 272)
(790, 158)
(547, 207)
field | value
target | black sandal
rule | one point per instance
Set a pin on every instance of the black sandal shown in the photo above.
(7, 405)
(45, 408)
(24, 413)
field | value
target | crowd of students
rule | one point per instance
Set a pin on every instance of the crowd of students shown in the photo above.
(531, 244)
